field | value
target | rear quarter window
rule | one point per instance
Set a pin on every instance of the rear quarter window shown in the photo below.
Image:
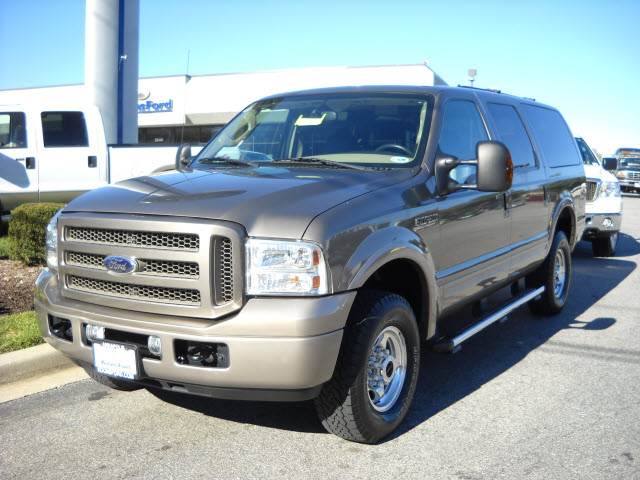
(64, 129)
(552, 136)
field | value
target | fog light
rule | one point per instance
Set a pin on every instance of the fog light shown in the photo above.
(155, 345)
(607, 223)
(94, 333)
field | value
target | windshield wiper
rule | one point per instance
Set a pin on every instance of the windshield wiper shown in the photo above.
(323, 161)
(232, 161)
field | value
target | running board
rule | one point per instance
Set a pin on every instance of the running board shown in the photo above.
(451, 345)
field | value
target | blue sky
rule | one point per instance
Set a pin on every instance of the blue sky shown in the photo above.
(582, 57)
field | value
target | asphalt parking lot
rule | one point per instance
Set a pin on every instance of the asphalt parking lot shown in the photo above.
(539, 398)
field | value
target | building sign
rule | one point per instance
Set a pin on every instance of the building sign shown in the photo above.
(152, 107)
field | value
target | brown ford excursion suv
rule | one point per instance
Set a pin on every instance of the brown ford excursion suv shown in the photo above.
(312, 247)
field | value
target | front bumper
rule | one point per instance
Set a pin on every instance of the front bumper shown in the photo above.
(629, 183)
(275, 345)
(594, 225)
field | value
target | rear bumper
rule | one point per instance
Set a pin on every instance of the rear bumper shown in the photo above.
(275, 345)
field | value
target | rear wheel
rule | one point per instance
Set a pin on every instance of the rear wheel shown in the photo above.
(555, 275)
(605, 246)
(377, 370)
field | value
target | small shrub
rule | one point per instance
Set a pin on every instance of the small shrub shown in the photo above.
(27, 232)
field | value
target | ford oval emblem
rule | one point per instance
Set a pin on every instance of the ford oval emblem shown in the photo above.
(118, 264)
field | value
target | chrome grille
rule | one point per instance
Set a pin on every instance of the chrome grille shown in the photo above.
(186, 267)
(223, 249)
(633, 175)
(148, 267)
(592, 190)
(134, 238)
(137, 292)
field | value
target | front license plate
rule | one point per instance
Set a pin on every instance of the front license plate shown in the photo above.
(116, 360)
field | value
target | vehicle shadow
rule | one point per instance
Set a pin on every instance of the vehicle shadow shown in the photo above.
(446, 379)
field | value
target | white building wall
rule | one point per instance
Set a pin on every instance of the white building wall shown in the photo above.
(215, 99)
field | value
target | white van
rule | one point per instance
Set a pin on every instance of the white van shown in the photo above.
(604, 203)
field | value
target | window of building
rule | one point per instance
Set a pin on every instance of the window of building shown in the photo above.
(513, 134)
(193, 134)
(64, 129)
(13, 130)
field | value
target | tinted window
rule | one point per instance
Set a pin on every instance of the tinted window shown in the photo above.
(462, 129)
(13, 130)
(588, 158)
(64, 129)
(513, 134)
(552, 135)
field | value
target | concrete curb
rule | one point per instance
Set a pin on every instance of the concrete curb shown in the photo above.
(30, 362)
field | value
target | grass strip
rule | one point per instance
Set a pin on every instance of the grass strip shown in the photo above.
(4, 247)
(19, 331)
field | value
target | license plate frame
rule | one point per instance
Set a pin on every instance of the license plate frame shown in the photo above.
(117, 360)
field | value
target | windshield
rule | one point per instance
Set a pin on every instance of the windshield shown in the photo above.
(626, 162)
(358, 130)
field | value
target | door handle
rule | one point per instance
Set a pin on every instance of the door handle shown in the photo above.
(30, 163)
(93, 161)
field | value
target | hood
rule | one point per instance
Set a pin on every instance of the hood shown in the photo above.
(267, 201)
(596, 172)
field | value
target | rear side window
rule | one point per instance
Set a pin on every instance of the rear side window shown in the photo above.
(552, 135)
(513, 134)
(64, 129)
(13, 131)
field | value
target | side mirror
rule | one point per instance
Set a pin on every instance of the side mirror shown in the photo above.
(183, 156)
(494, 169)
(610, 163)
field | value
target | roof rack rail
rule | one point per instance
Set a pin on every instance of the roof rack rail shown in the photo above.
(494, 90)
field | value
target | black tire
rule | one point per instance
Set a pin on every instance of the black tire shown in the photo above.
(605, 246)
(555, 275)
(376, 372)
(111, 382)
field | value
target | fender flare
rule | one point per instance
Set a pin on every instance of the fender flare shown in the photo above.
(385, 246)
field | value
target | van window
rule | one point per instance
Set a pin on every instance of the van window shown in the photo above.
(64, 129)
(13, 130)
(513, 134)
(552, 136)
(462, 129)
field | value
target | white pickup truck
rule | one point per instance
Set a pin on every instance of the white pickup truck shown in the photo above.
(54, 154)
(604, 203)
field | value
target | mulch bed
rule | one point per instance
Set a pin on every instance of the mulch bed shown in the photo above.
(16, 286)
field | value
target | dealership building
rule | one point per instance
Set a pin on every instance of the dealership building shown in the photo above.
(183, 108)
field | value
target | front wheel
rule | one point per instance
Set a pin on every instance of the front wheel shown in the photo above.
(555, 275)
(605, 246)
(377, 370)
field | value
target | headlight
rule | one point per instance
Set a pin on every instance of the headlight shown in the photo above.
(622, 175)
(52, 242)
(284, 267)
(610, 189)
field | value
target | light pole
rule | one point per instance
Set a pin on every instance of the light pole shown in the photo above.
(472, 75)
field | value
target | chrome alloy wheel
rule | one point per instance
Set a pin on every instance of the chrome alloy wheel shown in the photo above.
(386, 369)
(559, 274)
